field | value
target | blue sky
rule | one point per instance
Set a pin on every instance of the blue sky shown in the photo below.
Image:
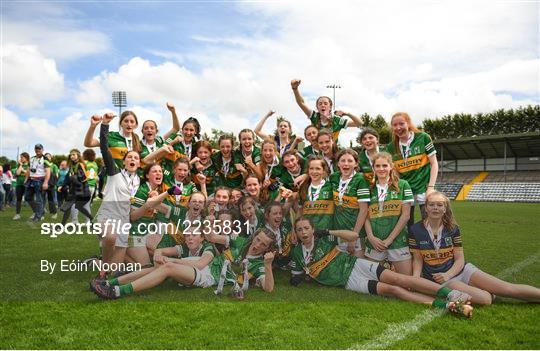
(229, 62)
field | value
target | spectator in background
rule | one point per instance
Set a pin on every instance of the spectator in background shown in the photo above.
(50, 193)
(36, 182)
(22, 170)
(92, 170)
(2, 191)
(62, 192)
(7, 178)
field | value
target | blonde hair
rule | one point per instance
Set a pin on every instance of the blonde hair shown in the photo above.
(448, 220)
(394, 175)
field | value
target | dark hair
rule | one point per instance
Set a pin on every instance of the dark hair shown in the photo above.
(328, 133)
(271, 205)
(226, 136)
(134, 136)
(365, 131)
(196, 124)
(199, 144)
(185, 161)
(304, 187)
(348, 151)
(147, 170)
(26, 155)
(89, 155)
(324, 97)
(303, 218)
(149, 120)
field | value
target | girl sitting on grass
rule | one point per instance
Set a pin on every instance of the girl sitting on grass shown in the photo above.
(437, 250)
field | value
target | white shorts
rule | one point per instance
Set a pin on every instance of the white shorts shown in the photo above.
(364, 277)
(342, 246)
(392, 255)
(419, 199)
(465, 274)
(203, 278)
(126, 240)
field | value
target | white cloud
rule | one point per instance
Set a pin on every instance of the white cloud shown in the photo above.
(427, 58)
(55, 42)
(29, 78)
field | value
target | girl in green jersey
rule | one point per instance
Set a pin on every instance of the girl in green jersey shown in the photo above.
(415, 158)
(390, 201)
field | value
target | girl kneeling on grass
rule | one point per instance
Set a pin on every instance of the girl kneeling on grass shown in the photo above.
(438, 256)
(317, 256)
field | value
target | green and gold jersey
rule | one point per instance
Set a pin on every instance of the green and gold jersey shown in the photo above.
(236, 253)
(118, 146)
(308, 151)
(140, 225)
(238, 157)
(412, 161)
(211, 177)
(285, 178)
(184, 252)
(384, 212)
(365, 163)
(148, 149)
(347, 195)
(92, 170)
(283, 237)
(227, 174)
(319, 205)
(335, 126)
(324, 263)
(178, 203)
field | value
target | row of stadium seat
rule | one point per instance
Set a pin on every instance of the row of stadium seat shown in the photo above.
(518, 192)
(449, 189)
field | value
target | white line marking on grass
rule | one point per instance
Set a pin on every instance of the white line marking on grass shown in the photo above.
(399, 331)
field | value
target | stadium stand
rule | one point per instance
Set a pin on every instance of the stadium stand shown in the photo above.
(449, 189)
(490, 168)
(514, 192)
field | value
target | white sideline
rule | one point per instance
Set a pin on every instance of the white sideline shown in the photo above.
(399, 331)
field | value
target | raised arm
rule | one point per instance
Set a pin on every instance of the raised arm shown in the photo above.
(295, 83)
(268, 280)
(108, 160)
(259, 126)
(175, 122)
(355, 120)
(89, 140)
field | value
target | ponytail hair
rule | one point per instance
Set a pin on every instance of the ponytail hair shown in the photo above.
(134, 136)
(394, 175)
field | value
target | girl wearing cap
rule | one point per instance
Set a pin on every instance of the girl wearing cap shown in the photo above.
(437, 251)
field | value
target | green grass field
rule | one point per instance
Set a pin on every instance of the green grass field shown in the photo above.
(57, 311)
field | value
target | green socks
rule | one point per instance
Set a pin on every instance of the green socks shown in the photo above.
(439, 303)
(125, 289)
(113, 281)
(443, 292)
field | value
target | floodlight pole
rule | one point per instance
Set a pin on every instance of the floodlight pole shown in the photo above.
(119, 100)
(333, 87)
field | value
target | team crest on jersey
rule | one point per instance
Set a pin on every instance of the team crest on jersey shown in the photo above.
(448, 241)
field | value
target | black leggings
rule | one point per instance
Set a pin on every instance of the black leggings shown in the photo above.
(19, 193)
(79, 205)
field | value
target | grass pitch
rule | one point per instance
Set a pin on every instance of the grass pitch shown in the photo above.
(40, 310)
